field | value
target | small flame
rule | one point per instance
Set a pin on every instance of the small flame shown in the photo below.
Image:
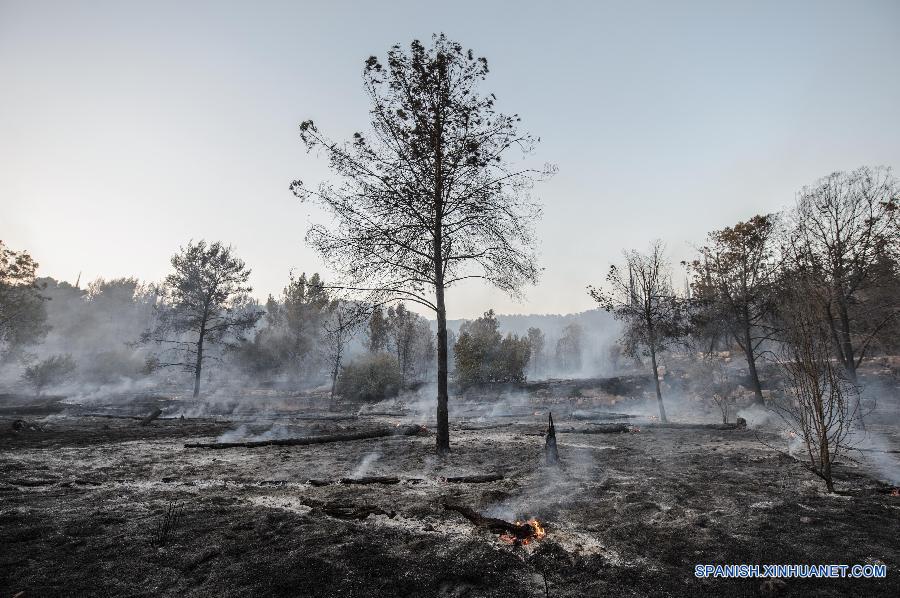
(538, 533)
(895, 492)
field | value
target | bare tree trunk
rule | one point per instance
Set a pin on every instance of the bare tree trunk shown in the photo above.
(844, 345)
(754, 374)
(847, 341)
(443, 423)
(334, 375)
(199, 364)
(659, 399)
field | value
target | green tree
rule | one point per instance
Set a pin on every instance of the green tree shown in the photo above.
(410, 338)
(484, 356)
(372, 377)
(378, 330)
(23, 315)
(536, 342)
(568, 348)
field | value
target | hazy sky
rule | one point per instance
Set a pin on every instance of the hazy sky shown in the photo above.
(127, 128)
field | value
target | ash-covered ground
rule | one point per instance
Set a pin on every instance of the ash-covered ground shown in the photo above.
(94, 503)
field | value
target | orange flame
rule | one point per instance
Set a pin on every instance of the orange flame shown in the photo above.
(538, 532)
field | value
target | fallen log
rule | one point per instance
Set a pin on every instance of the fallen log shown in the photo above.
(519, 531)
(474, 479)
(465, 428)
(134, 417)
(378, 433)
(591, 415)
(603, 429)
(358, 512)
(687, 426)
(384, 413)
(468, 479)
(371, 480)
(151, 416)
(323, 417)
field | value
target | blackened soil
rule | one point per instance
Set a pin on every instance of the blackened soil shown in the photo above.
(84, 504)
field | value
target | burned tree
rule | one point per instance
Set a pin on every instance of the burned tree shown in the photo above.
(206, 300)
(844, 226)
(429, 198)
(551, 451)
(820, 403)
(644, 300)
(733, 285)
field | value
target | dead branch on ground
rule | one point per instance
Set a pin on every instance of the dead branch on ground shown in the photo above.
(378, 433)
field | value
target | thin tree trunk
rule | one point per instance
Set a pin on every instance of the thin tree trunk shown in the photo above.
(659, 399)
(849, 358)
(338, 356)
(847, 342)
(751, 357)
(751, 364)
(443, 423)
(199, 364)
(334, 375)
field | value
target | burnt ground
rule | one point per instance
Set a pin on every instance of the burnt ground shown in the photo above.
(84, 502)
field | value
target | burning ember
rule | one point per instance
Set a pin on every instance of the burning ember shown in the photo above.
(519, 532)
(537, 532)
(895, 491)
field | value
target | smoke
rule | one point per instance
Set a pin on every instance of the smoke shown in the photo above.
(875, 451)
(757, 416)
(552, 488)
(251, 433)
(365, 464)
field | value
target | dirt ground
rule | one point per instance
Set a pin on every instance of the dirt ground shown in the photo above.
(103, 506)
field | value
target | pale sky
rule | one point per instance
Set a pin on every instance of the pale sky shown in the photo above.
(128, 128)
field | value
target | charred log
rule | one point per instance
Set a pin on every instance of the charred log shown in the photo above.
(357, 512)
(390, 480)
(379, 433)
(739, 425)
(604, 429)
(519, 531)
(360, 481)
(475, 479)
(605, 415)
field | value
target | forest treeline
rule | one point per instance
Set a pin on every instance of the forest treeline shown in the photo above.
(831, 259)
(202, 319)
(809, 294)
